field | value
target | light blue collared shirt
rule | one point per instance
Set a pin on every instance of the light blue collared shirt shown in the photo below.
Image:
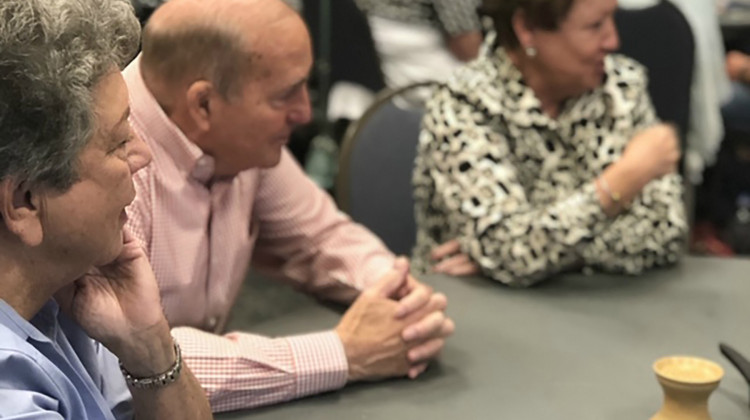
(50, 369)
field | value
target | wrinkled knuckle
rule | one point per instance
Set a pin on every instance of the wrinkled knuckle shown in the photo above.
(436, 318)
(417, 331)
(439, 301)
(436, 326)
(433, 304)
(440, 321)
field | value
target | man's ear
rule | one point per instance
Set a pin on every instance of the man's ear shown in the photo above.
(199, 98)
(21, 211)
(524, 31)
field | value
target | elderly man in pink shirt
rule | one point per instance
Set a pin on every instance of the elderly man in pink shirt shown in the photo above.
(216, 92)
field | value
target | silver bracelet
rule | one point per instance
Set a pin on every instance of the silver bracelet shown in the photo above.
(160, 380)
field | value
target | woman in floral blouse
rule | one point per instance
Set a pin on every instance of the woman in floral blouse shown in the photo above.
(545, 154)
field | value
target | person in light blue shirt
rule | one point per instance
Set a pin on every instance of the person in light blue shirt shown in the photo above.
(63, 370)
(82, 332)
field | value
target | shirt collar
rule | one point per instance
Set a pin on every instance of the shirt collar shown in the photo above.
(148, 117)
(42, 326)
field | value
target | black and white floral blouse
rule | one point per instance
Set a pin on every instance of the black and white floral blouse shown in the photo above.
(516, 187)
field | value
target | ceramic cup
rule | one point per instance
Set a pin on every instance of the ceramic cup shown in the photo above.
(687, 383)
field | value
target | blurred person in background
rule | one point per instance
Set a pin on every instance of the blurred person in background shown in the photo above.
(545, 155)
(737, 112)
(721, 92)
(422, 40)
(67, 156)
(710, 89)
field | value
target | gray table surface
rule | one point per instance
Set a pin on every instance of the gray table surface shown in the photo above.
(576, 347)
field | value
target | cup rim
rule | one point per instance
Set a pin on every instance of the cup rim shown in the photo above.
(716, 371)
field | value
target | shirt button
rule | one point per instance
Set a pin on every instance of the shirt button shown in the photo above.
(211, 324)
(203, 169)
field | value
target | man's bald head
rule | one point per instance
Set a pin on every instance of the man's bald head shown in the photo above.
(213, 40)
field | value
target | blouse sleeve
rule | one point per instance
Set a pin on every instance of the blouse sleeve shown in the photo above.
(476, 183)
(653, 230)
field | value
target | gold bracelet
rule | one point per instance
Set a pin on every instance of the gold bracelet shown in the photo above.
(160, 380)
(614, 196)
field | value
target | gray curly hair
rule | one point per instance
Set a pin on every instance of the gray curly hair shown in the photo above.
(52, 54)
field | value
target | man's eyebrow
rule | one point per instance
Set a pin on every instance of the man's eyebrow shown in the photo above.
(301, 82)
(289, 89)
(305, 78)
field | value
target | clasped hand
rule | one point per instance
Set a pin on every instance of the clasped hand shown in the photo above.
(394, 328)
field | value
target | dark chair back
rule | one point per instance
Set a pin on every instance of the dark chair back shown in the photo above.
(660, 38)
(375, 169)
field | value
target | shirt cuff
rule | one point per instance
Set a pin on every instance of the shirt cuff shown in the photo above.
(320, 362)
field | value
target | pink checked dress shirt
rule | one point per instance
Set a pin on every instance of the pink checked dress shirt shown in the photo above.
(201, 235)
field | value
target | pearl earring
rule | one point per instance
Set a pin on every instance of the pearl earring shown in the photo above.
(531, 51)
